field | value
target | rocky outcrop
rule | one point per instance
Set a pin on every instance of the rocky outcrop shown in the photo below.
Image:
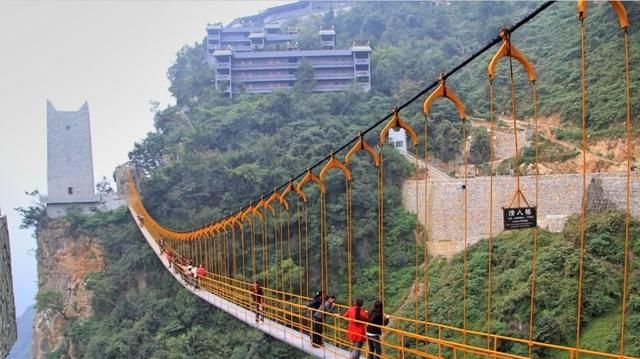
(65, 257)
(7, 305)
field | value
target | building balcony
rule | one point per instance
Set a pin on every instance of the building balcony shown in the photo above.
(331, 64)
(259, 66)
(223, 77)
(240, 47)
(329, 88)
(263, 78)
(362, 61)
(222, 65)
(265, 89)
(362, 73)
(234, 37)
(339, 76)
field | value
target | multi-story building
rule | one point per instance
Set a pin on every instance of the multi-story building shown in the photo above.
(267, 60)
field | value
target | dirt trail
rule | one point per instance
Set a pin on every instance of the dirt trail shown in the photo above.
(547, 127)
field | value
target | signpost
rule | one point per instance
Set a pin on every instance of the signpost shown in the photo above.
(519, 218)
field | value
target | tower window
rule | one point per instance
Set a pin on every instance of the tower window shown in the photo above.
(70, 190)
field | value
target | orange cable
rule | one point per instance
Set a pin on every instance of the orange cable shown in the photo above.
(627, 221)
(583, 211)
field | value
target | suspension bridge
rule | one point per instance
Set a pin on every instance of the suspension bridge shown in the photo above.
(246, 245)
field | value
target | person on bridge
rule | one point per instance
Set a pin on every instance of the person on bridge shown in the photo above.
(188, 274)
(167, 252)
(357, 317)
(327, 306)
(201, 272)
(377, 320)
(258, 299)
(316, 330)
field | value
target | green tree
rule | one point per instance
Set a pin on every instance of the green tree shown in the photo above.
(51, 300)
(32, 215)
(304, 79)
(479, 146)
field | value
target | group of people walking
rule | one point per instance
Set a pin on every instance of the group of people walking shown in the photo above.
(362, 326)
(191, 274)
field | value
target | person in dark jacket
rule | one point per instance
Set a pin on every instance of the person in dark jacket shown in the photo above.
(377, 319)
(316, 328)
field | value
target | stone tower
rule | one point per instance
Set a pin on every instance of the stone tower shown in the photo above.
(69, 161)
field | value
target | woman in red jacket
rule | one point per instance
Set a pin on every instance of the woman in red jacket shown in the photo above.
(357, 318)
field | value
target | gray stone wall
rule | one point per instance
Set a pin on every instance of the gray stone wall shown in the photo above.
(69, 159)
(8, 328)
(559, 197)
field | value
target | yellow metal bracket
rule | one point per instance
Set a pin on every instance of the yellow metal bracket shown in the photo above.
(288, 189)
(267, 204)
(362, 145)
(617, 6)
(508, 50)
(309, 177)
(397, 122)
(442, 91)
(334, 163)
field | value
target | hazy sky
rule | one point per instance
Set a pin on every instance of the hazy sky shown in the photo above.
(115, 54)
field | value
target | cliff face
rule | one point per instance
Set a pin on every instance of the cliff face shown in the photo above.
(65, 258)
(7, 305)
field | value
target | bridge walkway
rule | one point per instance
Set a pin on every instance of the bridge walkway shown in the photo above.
(278, 331)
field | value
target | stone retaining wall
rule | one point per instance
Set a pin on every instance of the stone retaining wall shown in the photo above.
(559, 197)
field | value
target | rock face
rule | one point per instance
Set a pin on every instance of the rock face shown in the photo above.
(7, 305)
(65, 258)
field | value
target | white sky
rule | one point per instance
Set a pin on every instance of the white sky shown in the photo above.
(115, 54)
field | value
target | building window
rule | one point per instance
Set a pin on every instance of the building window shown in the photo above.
(70, 190)
(67, 127)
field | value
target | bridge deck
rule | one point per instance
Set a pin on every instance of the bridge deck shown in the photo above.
(282, 333)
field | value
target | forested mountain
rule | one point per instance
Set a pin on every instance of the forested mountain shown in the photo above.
(237, 150)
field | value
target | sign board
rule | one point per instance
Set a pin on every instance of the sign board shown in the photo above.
(520, 218)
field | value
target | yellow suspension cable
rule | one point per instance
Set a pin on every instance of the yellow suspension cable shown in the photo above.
(583, 209)
(490, 239)
(349, 209)
(465, 261)
(381, 228)
(233, 251)
(415, 240)
(534, 258)
(306, 244)
(627, 220)
(242, 249)
(253, 250)
(301, 274)
(425, 222)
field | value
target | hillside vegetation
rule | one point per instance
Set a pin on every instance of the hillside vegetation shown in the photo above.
(238, 150)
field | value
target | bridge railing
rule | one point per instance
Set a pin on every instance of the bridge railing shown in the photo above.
(405, 338)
